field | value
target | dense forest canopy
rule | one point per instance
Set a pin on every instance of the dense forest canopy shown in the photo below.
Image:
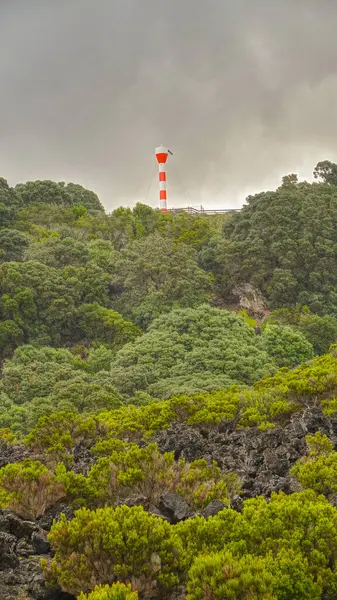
(169, 383)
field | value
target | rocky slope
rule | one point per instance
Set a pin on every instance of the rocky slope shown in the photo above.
(262, 459)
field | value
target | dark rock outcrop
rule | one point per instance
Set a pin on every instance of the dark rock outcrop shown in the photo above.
(262, 459)
(22, 544)
(212, 509)
(174, 507)
(10, 453)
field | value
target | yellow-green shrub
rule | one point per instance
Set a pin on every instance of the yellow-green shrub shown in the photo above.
(108, 545)
(318, 470)
(29, 488)
(54, 436)
(116, 591)
(225, 577)
(147, 472)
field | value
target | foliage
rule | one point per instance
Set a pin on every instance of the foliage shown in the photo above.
(109, 545)
(321, 332)
(318, 470)
(55, 435)
(106, 326)
(282, 243)
(43, 301)
(224, 577)
(295, 534)
(29, 488)
(57, 252)
(156, 275)
(287, 347)
(189, 351)
(50, 192)
(13, 244)
(326, 171)
(38, 381)
(10, 203)
(79, 378)
(130, 470)
(116, 591)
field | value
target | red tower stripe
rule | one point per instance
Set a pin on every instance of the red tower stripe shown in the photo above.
(162, 176)
(161, 157)
(162, 195)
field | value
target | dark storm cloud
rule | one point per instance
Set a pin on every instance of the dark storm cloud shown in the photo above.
(242, 90)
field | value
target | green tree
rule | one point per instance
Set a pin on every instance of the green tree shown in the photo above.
(13, 244)
(321, 332)
(10, 203)
(50, 192)
(189, 351)
(286, 346)
(326, 171)
(56, 252)
(10, 337)
(283, 244)
(106, 326)
(39, 381)
(156, 275)
(43, 301)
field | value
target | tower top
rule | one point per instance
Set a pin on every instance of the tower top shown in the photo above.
(161, 154)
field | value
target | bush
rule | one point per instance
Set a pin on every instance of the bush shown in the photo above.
(145, 471)
(192, 350)
(298, 532)
(106, 545)
(318, 470)
(29, 488)
(55, 436)
(116, 591)
(132, 470)
(286, 346)
(224, 577)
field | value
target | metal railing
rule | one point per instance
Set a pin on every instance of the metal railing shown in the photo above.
(202, 210)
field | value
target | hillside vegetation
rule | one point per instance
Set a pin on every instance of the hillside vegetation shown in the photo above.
(168, 397)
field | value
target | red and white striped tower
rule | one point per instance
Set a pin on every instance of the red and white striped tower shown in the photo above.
(161, 155)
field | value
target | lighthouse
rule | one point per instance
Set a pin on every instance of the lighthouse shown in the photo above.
(161, 155)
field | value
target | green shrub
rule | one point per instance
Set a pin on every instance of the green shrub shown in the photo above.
(145, 471)
(201, 536)
(286, 346)
(7, 436)
(77, 486)
(29, 488)
(132, 470)
(318, 470)
(221, 576)
(225, 577)
(200, 483)
(299, 529)
(103, 546)
(116, 591)
(54, 436)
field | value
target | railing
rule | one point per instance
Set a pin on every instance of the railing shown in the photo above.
(202, 210)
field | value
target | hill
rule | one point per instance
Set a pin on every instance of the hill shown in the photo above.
(168, 397)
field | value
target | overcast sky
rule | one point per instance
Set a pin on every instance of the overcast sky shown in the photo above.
(242, 91)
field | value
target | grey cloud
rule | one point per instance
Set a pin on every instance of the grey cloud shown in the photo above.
(243, 91)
